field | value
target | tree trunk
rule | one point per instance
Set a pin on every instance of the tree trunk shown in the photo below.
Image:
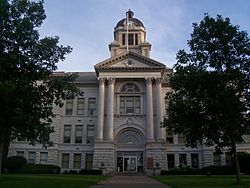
(237, 165)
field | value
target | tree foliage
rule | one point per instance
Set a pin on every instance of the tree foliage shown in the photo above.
(209, 102)
(27, 62)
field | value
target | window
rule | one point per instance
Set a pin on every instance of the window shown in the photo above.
(77, 161)
(170, 137)
(183, 160)
(217, 159)
(228, 157)
(65, 160)
(123, 39)
(136, 39)
(92, 106)
(130, 88)
(89, 161)
(90, 134)
(79, 134)
(130, 104)
(67, 134)
(69, 107)
(31, 157)
(181, 139)
(43, 157)
(195, 160)
(171, 161)
(80, 106)
(20, 153)
(130, 39)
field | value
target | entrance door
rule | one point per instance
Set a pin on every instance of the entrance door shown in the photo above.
(130, 164)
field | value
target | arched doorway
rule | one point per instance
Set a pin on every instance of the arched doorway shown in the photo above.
(130, 151)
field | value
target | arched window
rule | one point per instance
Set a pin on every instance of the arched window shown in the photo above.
(130, 100)
(130, 137)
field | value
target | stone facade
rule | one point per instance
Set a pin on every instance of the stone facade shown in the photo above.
(115, 126)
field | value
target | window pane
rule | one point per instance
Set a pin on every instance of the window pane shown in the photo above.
(89, 161)
(20, 153)
(217, 159)
(67, 133)
(65, 160)
(43, 157)
(228, 156)
(171, 161)
(181, 139)
(123, 39)
(31, 157)
(80, 106)
(77, 161)
(79, 134)
(183, 160)
(136, 39)
(170, 137)
(130, 39)
(90, 134)
(92, 106)
(69, 107)
(195, 160)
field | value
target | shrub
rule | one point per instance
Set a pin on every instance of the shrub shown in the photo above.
(12, 164)
(90, 172)
(218, 170)
(70, 172)
(39, 169)
(181, 171)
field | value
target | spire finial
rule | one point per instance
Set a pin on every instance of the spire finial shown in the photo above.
(130, 14)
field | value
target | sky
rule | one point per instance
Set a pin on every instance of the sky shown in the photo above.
(87, 25)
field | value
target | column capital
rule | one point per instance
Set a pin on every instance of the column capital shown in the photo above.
(111, 80)
(158, 80)
(101, 80)
(149, 80)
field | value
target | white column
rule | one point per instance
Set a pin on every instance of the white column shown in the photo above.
(149, 101)
(161, 132)
(110, 110)
(100, 117)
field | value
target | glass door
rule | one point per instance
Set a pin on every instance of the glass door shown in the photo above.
(130, 164)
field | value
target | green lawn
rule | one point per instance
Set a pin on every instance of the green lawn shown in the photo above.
(203, 181)
(48, 181)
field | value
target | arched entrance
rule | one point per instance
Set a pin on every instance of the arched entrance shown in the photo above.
(130, 151)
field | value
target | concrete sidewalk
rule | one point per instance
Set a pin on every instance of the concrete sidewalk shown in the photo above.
(130, 182)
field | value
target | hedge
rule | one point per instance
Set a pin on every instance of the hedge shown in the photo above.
(14, 163)
(181, 171)
(90, 172)
(39, 169)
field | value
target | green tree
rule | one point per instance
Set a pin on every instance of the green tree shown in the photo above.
(209, 102)
(27, 85)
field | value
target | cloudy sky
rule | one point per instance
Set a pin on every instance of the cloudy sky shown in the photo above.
(88, 25)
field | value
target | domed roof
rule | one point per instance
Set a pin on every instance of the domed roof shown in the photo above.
(130, 14)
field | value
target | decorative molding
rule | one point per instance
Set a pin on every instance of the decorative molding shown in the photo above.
(158, 81)
(111, 80)
(101, 80)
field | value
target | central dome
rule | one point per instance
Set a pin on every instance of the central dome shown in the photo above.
(129, 14)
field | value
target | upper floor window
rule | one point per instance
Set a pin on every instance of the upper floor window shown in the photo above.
(80, 106)
(123, 39)
(92, 106)
(90, 134)
(79, 134)
(43, 157)
(130, 39)
(69, 107)
(130, 105)
(67, 134)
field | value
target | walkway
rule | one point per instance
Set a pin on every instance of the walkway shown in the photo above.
(130, 182)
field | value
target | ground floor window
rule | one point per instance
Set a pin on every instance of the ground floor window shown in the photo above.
(171, 161)
(77, 161)
(65, 160)
(43, 157)
(228, 157)
(31, 157)
(20, 153)
(217, 159)
(89, 161)
(183, 160)
(195, 160)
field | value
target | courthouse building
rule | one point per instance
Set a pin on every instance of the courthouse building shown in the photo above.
(116, 124)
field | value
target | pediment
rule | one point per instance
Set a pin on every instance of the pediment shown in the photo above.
(129, 60)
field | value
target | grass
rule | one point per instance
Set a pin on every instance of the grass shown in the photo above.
(48, 181)
(196, 181)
